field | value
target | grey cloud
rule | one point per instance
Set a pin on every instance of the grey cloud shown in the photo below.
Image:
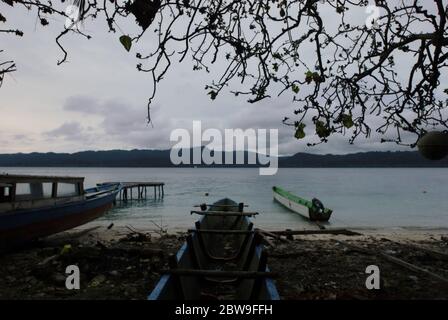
(72, 131)
(102, 71)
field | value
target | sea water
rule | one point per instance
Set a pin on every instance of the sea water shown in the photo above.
(359, 197)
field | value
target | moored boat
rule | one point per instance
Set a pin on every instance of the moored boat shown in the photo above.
(222, 258)
(37, 206)
(313, 210)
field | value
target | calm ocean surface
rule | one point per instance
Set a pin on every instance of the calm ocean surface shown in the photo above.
(389, 197)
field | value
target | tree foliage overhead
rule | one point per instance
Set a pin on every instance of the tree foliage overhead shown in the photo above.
(351, 66)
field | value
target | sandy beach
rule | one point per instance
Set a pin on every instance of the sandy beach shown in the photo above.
(125, 263)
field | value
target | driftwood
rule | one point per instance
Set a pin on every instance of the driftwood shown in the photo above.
(271, 234)
(83, 232)
(437, 254)
(220, 274)
(396, 261)
(221, 231)
(142, 252)
(326, 231)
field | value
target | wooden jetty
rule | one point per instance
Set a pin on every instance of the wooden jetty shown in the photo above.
(141, 189)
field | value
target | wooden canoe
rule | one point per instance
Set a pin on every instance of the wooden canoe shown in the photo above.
(222, 258)
(313, 210)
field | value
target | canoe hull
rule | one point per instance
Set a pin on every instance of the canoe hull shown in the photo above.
(198, 252)
(300, 209)
(24, 225)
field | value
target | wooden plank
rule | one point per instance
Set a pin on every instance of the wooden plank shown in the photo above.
(34, 178)
(227, 212)
(221, 274)
(309, 232)
(272, 235)
(136, 184)
(219, 205)
(224, 213)
(221, 231)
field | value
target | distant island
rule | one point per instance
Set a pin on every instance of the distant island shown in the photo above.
(161, 158)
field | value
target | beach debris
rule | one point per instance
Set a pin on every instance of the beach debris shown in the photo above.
(428, 253)
(114, 273)
(395, 260)
(413, 278)
(66, 249)
(58, 278)
(110, 226)
(161, 229)
(271, 234)
(99, 244)
(47, 260)
(289, 236)
(96, 281)
(136, 237)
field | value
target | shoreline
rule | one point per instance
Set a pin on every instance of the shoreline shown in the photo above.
(123, 263)
(411, 232)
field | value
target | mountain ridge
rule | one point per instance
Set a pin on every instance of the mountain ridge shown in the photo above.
(161, 158)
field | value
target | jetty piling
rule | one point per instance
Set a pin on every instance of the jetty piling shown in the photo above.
(126, 192)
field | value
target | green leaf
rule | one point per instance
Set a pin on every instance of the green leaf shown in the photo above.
(347, 121)
(126, 41)
(309, 75)
(295, 88)
(300, 132)
(321, 130)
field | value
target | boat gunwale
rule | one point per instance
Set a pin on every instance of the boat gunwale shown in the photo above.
(62, 205)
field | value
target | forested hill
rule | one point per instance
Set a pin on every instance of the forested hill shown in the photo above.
(161, 158)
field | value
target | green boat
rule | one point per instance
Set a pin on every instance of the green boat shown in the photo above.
(313, 210)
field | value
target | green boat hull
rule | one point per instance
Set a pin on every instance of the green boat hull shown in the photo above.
(301, 206)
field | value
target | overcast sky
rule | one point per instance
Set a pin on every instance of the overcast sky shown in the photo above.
(97, 101)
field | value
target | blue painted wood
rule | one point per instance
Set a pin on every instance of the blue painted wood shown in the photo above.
(20, 218)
